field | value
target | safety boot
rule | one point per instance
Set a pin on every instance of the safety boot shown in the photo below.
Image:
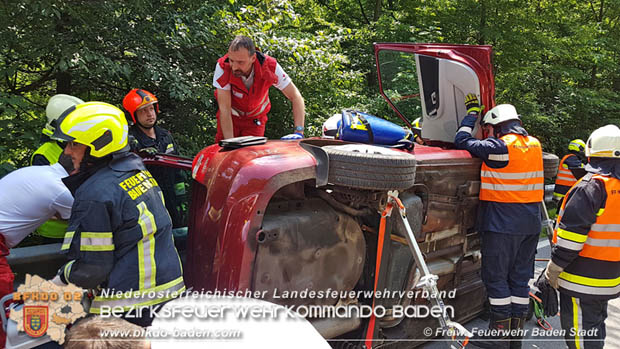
(498, 335)
(516, 331)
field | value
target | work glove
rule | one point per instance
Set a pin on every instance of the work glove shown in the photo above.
(552, 273)
(292, 137)
(148, 152)
(472, 104)
(547, 294)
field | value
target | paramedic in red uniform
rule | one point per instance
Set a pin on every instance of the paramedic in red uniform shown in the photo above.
(242, 80)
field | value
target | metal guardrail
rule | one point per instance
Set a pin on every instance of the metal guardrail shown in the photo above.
(42, 260)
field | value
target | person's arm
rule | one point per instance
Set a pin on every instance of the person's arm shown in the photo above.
(224, 104)
(63, 203)
(492, 151)
(299, 108)
(575, 166)
(583, 203)
(89, 240)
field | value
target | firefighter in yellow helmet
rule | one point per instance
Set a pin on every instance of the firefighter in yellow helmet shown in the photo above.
(417, 130)
(120, 235)
(585, 260)
(571, 168)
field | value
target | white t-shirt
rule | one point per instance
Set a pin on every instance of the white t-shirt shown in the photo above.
(283, 78)
(30, 196)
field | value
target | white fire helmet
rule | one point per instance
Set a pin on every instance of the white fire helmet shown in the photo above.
(604, 142)
(330, 126)
(499, 114)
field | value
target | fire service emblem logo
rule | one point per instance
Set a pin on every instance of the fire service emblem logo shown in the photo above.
(35, 320)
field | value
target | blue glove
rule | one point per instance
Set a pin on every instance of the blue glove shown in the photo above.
(292, 137)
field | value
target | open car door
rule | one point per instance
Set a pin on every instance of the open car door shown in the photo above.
(431, 80)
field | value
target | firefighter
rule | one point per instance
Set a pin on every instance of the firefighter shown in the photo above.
(242, 80)
(509, 216)
(417, 130)
(571, 169)
(585, 260)
(151, 139)
(50, 149)
(53, 230)
(119, 236)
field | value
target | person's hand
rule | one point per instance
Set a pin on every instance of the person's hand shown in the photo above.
(552, 274)
(292, 137)
(472, 104)
(148, 152)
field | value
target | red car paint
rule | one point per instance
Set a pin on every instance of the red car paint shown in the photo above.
(236, 185)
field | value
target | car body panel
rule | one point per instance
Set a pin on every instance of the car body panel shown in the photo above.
(450, 73)
(239, 184)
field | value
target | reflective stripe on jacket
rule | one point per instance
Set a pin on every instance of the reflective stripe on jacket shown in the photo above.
(49, 150)
(522, 180)
(565, 178)
(596, 271)
(252, 103)
(120, 238)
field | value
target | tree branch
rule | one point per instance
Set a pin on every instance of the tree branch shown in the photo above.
(35, 85)
(592, 8)
(363, 13)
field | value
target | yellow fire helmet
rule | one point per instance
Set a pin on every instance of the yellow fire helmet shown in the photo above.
(98, 125)
(577, 145)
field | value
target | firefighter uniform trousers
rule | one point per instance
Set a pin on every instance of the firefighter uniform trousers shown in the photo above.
(507, 267)
(583, 321)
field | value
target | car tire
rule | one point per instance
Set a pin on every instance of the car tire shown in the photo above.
(550, 164)
(370, 167)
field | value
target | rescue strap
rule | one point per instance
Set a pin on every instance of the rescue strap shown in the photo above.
(428, 281)
(370, 333)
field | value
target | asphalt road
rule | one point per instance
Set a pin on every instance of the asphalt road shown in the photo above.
(535, 337)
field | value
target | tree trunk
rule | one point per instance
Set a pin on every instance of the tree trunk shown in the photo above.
(63, 83)
(377, 10)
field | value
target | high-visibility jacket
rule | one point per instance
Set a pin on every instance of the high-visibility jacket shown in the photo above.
(565, 178)
(49, 150)
(254, 103)
(596, 270)
(522, 180)
(120, 238)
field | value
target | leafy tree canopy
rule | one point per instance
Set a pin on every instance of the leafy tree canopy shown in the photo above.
(556, 61)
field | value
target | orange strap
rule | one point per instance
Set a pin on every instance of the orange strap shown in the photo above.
(371, 322)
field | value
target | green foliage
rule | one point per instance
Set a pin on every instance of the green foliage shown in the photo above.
(556, 61)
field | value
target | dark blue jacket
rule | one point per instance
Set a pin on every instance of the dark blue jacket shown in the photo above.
(120, 236)
(583, 202)
(493, 216)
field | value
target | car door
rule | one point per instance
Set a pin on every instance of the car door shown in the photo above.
(431, 80)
